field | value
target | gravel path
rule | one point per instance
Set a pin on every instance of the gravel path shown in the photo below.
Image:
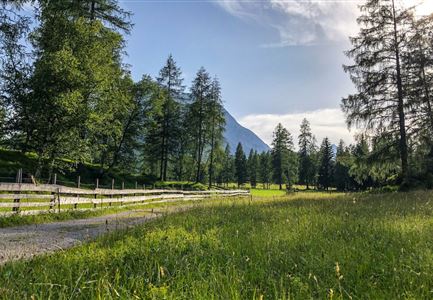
(28, 241)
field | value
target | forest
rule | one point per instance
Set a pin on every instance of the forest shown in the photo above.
(67, 95)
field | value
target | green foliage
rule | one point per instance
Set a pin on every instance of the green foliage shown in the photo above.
(253, 167)
(326, 168)
(284, 160)
(307, 167)
(241, 166)
(265, 169)
(305, 246)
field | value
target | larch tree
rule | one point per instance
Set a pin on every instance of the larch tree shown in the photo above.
(197, 117)
(170, 78)
(216, 119)
(378, 74)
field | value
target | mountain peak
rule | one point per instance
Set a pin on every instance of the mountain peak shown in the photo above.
(236, 133)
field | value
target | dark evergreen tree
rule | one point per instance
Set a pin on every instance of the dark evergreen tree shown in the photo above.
(343, 161)
(253, 167)
(240, 165)
(228, 167)
(326, 169)
(265, 169)
(282, 154)
(306, 159)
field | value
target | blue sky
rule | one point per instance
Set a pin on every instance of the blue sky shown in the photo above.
(275, 65)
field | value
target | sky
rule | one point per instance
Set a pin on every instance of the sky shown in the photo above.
(277, 61)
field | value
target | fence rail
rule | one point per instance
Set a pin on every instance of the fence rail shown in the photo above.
(24, 198)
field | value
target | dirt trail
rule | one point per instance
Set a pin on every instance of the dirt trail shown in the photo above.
(30, 240)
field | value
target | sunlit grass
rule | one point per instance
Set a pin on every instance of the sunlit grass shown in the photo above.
(304, 246)
(71, 214)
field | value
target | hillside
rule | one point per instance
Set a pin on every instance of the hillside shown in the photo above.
(236, 133)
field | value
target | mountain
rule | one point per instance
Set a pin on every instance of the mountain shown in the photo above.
(236, 133)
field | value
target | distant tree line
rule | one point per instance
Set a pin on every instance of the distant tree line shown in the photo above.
(342, 167)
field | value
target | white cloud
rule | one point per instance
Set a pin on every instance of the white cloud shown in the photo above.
(324, 123)
(300, 22)
(308, 22)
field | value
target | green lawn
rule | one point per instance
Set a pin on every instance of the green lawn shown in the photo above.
(310, 245)
(267, 193)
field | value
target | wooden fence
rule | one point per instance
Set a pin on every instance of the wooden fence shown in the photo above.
(23, 198)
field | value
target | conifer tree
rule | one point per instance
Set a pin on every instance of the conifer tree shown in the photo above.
(342, 178)
(170, 78)
(282, 154)
(326, 169)
(253, 167)
(265, 170)
(216, 120)
(240, 165)
(306, 160)
(197, 118)
(228, 168)
(378, 73)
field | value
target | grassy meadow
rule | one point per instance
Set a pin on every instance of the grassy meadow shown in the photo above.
(305, 245)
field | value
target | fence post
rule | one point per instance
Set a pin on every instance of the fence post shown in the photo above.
(19, 180)
(144, 186)
(55, 178)
(97, 183)
(136, 185)
(112, 183)
(123, 185)
(79, 181)
(58, 198)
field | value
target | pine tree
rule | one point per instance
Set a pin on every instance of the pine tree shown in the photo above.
(282, 153)
(216, 119)
(253, 167)
(306, 163)
(326, 169)
(240, 165)
(360, 168)
(378, 73)
(265, 169)
(228, 168)
(170, 78)
(343, 161)
(200, 91)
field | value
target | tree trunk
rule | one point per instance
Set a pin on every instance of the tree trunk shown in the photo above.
(211, 152)
(200, 141)
(400, 107)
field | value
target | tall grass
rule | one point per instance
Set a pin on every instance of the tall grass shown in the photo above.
(299, 247)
